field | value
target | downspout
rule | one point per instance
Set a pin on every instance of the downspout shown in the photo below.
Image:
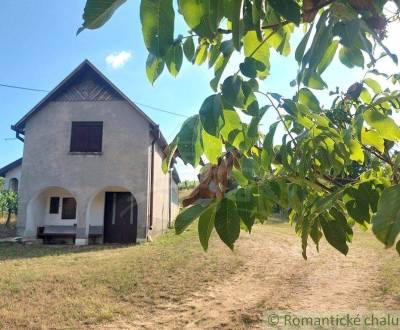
(153, 142)
(170, 199)
(151, 184)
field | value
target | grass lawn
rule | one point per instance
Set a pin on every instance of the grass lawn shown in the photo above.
(171, 282)
(50, 286)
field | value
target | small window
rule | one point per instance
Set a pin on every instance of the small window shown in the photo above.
(68, 208)
(54, 205)
(86, 136)
(13, 185)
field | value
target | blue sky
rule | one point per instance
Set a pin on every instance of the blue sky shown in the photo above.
(39, 48)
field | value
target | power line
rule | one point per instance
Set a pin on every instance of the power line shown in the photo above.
(161, 110)
(24, 88)
(141, 104)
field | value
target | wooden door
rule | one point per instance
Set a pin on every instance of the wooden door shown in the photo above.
(120, 218)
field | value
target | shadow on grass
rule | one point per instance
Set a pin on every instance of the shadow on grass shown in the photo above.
(14, 251)
(7, 231)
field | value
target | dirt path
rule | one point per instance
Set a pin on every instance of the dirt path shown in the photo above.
(275, 277)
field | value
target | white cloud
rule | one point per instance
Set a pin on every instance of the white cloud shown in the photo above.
(118, 59)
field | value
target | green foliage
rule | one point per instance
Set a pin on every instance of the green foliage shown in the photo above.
(8, 203)
(157, 17)
(386, 221)
(98, 12)
(334, 166)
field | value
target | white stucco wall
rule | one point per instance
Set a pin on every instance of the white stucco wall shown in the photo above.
(54, 219)
(48, 163)
(15, 173)
(161, 196)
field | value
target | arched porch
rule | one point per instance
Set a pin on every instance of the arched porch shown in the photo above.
(52, 207)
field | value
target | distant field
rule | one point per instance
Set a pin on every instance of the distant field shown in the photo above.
(172, 283)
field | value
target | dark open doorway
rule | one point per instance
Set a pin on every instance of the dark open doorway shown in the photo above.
(120, 218)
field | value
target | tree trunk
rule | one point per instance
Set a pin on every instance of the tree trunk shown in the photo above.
(8, 218)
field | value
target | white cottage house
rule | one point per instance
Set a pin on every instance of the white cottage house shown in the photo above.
(91, 166)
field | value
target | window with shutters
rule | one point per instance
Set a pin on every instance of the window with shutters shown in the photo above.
(54, 205)
(68, 208)
(86, 136)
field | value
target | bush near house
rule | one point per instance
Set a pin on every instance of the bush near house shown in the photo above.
(8, 205)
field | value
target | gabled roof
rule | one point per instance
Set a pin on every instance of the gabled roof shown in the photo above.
(86, 65)
(9, 167)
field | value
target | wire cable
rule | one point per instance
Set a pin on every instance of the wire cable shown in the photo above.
(138, 103)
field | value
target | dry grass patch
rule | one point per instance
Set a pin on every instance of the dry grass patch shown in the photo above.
(173, 284)
(59, 287)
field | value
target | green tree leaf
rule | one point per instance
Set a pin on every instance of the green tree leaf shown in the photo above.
(351, 57)
(188, 48)
(335, 233)
(398, 247)
(356, 152)
(313, 80)
(372, 138)
(360, 201)
(386, 222)
(170, 154)
(227, 222)
(187, 216)
(202, 16)
(250, 67)
(206, 225)
(157, 18)
(327, 57)
(212, 147)
(289, 9)
(385, 125)
(259, 51)
(154, 67)
(246, 207)
(232, 91)
(232, 10)
(174, 59)
(268, 148)
(98, 12)
(231, 122)
(220, 65)
(307, 98)
(374, 85)
(302, 46)
(189, 143)
(211, 114)
(201, 54)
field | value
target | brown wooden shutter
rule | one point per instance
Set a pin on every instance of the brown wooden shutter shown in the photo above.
(68, 208)
(86, 137)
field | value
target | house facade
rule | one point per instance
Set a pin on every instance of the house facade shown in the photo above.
(91, 166)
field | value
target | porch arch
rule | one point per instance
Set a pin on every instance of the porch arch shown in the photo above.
(38, 209)
(101, 209)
